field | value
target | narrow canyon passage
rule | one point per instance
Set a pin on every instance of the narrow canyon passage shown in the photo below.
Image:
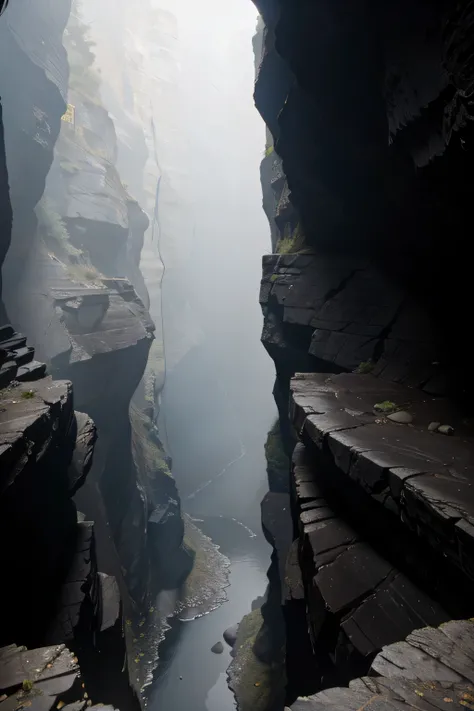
(216, 406)
(140, 285)
(236, 412)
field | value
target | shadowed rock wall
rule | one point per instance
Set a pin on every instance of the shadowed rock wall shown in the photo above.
(370, 131)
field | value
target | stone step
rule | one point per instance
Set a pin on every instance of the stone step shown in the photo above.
(422, 477)
(42, 679)
(431, 671)
(31, 371)
(16, 341)
(54, 667)
(27, 416)
(349, 587)
(23, 355)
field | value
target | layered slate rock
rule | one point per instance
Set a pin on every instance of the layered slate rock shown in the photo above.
(89, 601)
(431, 669)
(17, 359)
(42, 679)
(46, 451)
(357, 601)
(99, 320)
(421, 477)
(343, 311)
(38, 678)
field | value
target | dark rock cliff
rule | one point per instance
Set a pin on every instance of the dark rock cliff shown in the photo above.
(5, 210)
(369, 115)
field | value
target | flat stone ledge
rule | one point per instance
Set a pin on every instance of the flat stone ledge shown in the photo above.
(426, 478)
(433, 669)
(37, 678)
(32, 417)
(42, 679)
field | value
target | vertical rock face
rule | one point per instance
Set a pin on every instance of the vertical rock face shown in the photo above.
(5, 210)
(362, 182)
(33, 95)
(382, 184)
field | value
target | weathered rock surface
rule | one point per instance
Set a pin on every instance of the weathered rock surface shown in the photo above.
(42, 679)
(53, 591)
(431, 669)
(421, 478)
(38, 678)
(257, 684)
(342, 312)
(33, 102)
(349, 587)
(38, 431)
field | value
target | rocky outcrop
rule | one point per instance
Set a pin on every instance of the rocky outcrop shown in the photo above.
(352, 189)
(40, 472)
(53, 592)
(431, 668)
(42, 679)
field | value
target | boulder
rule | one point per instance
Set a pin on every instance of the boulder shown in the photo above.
(230, 635)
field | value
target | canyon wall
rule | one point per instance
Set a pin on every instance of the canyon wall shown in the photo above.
(73, 281)
(369, 128)
(52, 589)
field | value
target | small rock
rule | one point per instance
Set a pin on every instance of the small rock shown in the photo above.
(181, 678)
(446, 429)
(230, 635)
(218, 648)
(402, 417)
(433, 426)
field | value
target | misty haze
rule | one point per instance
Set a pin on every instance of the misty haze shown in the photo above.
(236, 419)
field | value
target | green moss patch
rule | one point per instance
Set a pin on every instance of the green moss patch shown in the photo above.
(256, 685)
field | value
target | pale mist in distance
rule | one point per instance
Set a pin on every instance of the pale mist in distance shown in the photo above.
(219, 139)
(191, 66)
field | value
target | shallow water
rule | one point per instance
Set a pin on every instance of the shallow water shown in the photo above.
(189, 675)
